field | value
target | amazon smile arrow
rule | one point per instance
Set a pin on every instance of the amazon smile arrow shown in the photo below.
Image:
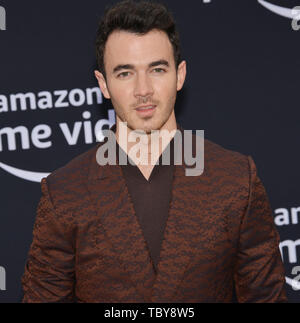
(293, 282)
(24, 174)
(281, 11)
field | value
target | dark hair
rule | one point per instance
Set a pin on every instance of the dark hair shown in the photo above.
(139, 18)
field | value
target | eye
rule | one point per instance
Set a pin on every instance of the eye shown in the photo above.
(159, 70)
(123, 74)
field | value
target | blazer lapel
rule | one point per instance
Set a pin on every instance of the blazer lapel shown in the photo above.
(116, 214)
(181, 236)
(177, 249)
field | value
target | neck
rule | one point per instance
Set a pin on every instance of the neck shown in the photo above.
(145, 148)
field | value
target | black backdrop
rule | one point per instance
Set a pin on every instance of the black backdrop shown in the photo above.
(242, 88)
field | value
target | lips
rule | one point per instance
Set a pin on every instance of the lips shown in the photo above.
(146, 108)
(146, 111)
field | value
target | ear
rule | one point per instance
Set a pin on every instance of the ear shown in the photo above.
(102, 84)
(181, 73)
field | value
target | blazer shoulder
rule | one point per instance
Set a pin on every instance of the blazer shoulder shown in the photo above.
(74, 173)
(231, 163)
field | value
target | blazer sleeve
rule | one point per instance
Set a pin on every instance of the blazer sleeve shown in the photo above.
(259, 273)
(49, 271)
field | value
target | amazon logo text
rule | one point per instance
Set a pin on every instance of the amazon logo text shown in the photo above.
(2, 18)
(2, 278)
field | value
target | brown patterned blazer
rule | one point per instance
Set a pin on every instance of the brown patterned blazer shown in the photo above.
(88, 245)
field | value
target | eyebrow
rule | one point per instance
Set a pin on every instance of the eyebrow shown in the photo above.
(131, 67)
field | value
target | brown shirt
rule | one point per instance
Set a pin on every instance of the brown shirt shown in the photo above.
(151, 199)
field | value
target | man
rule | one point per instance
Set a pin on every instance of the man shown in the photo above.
(149, 233)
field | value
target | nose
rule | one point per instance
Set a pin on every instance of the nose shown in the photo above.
(143, 86)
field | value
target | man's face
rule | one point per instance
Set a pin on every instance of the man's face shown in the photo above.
(140, 71)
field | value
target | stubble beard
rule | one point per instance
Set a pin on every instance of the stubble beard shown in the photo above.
(141, 130)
